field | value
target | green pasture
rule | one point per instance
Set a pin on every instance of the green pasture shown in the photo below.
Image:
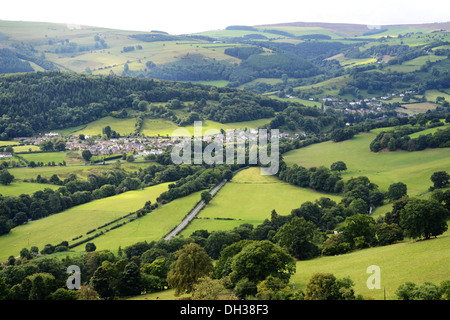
(415, 64)
(428, 131)
(81, 170)
(122, 126)
(417, 262)
(348, 62)
(250, 198)
(302, 31)
(308, 103)
(215, 83)
(163, 127)
(8, 143)
(431, 95)
(17, 188)
(422, 107)
(71, 157)
(151, 227)
(26, 148)
(75, 221)
(383, 168)
(328, 87)
(25, 173)
(223, 34)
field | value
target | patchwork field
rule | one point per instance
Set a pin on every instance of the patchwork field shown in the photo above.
(415, 64)
(418, 107)
(250, 198)
(383, 168)
(152, 227)
(122, 126)
(417, 262)
(75, 221)
(18, 188)
(81, 170)
(71, 157)
(163, 127)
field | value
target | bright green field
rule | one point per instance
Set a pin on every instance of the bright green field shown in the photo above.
(418, 107)
(70, 157)
(79, 169)
(428, 131)
(415, 64)
(26, 148)
(122, 126)
(383, 168)
(163, 127)
(417, 262)
(407, 261)
(75, 221)
(47, 172)
(151, 227)
(18, 188)
(431, 95)
(8, 143)
(250, 198)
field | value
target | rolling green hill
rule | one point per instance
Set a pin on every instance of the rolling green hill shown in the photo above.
(417, 262)
(254, 197)
(76, 221)
(307, 79)
(321, 50)
(383, 168)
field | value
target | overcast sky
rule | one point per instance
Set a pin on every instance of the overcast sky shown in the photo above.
(189, 16)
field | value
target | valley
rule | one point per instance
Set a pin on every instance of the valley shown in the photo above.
(90, 116)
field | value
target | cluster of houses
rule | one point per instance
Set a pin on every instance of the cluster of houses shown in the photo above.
(363, 106)
(141, 145)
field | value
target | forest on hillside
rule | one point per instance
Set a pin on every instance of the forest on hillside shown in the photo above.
(42, 101)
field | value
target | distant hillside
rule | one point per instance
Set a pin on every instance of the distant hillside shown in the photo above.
(266, 59)
(350, 29)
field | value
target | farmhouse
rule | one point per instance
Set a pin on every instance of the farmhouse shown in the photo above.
(5, 154)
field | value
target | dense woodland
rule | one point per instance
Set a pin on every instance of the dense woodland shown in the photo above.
(36, 102)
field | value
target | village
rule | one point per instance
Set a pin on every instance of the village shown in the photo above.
(140, 146)
(361, 106)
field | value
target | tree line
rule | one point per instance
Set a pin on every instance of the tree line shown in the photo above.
(44, 101)
(400, 139)
(73, 191)
(304, 234)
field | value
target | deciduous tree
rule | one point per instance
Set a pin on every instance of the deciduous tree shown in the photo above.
(192, 264)
(423, 218)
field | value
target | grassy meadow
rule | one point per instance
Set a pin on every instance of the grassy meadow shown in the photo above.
(122, 126)
(415, 64)
(414, 261)
(17, 188)
(152, 227)
(163, 127)
(71, 157)
(382, 168)
(75, 221)
(250, 198)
